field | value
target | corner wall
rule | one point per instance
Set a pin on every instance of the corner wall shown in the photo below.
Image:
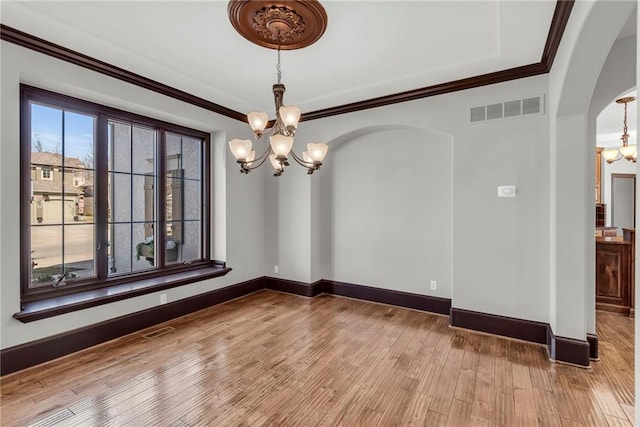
(499, 246)
(238, 223)
(590, 35)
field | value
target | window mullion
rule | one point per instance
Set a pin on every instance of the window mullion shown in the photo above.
(161, 197)
(101, 195)
(205, 194)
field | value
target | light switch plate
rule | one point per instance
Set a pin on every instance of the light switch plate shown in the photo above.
(507, 191)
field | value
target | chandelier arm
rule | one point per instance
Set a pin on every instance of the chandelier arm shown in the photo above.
(618, 156)
(260, 160)
(300, 161)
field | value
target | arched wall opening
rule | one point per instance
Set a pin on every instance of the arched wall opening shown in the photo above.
(383, 204)
(581, 84)
(618, 76)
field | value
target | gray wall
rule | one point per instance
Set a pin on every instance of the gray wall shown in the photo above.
(496, 258)
(527, 257)
(238, 222)
(592, 30)
(390, 210)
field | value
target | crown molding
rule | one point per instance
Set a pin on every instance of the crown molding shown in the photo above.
(556, 30)
(46, 47)
(425, 92)
(558, 24)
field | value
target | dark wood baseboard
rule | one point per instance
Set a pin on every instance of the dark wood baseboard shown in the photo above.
(33, 353)
(562, 349)
(294, 287)
(592, 339)
(386, 296)
(367, 293)
(526, 330)
(569, 350)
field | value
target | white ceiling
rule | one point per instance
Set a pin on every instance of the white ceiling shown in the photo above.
(609, 123)
(370, 48)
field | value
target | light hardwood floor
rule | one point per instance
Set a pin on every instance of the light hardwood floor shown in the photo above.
(277, 359)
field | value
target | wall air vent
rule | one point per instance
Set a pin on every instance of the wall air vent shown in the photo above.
(494, 111)
(478, 114)
(502, 110)
(512, 108)
(531, 105)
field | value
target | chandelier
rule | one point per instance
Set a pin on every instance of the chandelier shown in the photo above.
(626, 151)
(277, 25)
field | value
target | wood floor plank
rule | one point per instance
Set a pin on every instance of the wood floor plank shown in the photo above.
(617, 422)
(443, 396)
(524, 407)
(277, 359)
(435, 419)
(416, 412)
(459, 414)
(504, 412)
(567, 405)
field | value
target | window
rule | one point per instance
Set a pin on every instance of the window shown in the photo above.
(112, 188)
(46, 173)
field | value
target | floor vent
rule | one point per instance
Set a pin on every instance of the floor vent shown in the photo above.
(520, 107)
(158, 332)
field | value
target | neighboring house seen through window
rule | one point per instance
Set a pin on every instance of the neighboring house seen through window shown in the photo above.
(46, 173)
(102, 190)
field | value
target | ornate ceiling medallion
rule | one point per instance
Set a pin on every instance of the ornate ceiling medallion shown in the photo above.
(290, 24)
(278, 24)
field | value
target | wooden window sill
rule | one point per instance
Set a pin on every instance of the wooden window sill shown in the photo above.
(56, 306)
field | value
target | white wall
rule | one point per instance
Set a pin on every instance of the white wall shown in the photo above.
(499, 246)
(237, 218)
(590, 34)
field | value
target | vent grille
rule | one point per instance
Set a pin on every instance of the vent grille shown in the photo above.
(512, 108)
(531, 105)
(494, 111)
(478, 114)
(520, 107)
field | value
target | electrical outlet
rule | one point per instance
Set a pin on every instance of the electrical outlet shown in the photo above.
(275, 269)
(163, 298)
(434, 285)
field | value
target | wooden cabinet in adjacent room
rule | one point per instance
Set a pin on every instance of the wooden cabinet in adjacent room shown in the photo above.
(613, 274)
(601, 218)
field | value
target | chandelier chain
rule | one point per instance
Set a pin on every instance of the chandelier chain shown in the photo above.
(278, 69)
(625, 118)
